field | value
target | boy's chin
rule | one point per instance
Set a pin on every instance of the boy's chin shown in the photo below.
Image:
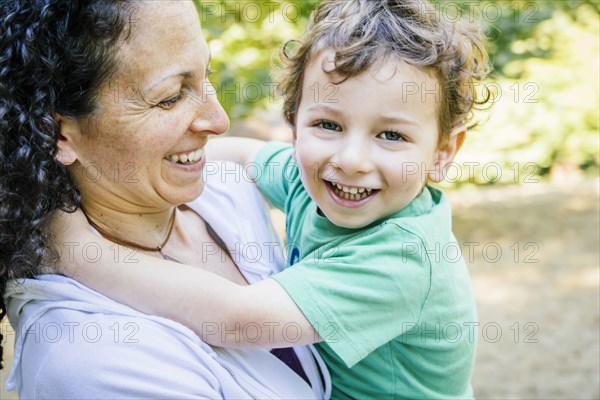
(346, 222)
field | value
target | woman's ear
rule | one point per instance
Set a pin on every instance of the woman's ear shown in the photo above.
(69, 134)
(446, 152)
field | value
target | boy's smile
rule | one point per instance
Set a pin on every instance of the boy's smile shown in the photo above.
(349, 196)
(366, 146)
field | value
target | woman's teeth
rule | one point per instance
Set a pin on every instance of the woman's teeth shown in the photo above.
(350, 192)
(189, 158)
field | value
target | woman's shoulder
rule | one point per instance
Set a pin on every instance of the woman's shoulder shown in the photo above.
(109, 356)
(109, 352)
(73, 345)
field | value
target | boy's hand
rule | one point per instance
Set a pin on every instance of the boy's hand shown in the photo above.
(237, 149)
(68, 231)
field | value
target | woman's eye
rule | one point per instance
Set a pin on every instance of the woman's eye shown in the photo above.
(329, 126)
(391, 136)
(167, 104)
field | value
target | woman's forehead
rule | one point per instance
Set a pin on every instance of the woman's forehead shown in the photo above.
(165, 36)
(156, 22)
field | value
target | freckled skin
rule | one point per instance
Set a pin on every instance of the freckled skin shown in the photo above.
(130, 134)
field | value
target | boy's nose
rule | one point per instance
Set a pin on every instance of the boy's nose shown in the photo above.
(354, 157)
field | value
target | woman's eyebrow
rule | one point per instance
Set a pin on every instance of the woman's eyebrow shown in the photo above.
(184, 74)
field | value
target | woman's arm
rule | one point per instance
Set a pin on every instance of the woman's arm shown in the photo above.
(221, 312)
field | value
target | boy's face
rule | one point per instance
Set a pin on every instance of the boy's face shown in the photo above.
(367, 146)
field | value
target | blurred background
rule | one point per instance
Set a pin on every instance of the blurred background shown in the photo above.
(525, 187)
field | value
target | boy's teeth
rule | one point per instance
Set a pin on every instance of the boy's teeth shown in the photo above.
(351, 193)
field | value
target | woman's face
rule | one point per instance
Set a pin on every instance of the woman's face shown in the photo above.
(144, 145)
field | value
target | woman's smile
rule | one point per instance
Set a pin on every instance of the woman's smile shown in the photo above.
(189, 161)
(187, 157)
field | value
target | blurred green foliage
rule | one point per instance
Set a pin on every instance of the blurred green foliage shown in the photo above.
(244, 36)
(545, 119)
(546, 61)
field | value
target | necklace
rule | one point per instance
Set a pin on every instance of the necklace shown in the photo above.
(129, 244)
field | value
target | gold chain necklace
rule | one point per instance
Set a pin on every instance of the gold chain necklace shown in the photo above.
(133, 245)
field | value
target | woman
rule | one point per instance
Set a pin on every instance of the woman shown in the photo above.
(106, 104)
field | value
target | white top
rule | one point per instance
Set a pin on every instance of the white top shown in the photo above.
(74, 343)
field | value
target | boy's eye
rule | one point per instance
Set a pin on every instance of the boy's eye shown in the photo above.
(328, 125)
(391, 136)
(168, 104)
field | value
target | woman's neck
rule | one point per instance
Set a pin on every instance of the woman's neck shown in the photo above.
(143, 226)
(190, 242)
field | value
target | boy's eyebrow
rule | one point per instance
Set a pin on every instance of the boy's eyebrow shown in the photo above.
(393, 119)
(324, 108)
(386, 118)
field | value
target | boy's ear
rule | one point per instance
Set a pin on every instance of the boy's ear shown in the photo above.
(294, 143)
(291, 120)
(446, 153)
(69, 134)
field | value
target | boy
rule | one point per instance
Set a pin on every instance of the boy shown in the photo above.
(378, 95)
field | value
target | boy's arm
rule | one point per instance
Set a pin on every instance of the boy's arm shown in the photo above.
(221, 312)
(240, 150)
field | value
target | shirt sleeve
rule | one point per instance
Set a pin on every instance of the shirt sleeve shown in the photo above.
(360, 300)
(276, 170)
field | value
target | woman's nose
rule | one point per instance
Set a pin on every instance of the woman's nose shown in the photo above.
(211, 117)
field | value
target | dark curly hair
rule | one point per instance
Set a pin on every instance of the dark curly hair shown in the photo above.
(54, 55)
(364, 32)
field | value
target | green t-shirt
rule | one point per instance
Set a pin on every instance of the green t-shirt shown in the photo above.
(392, 301)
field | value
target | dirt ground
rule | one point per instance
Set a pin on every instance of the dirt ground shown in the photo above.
(534, 256)
(542, 293)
